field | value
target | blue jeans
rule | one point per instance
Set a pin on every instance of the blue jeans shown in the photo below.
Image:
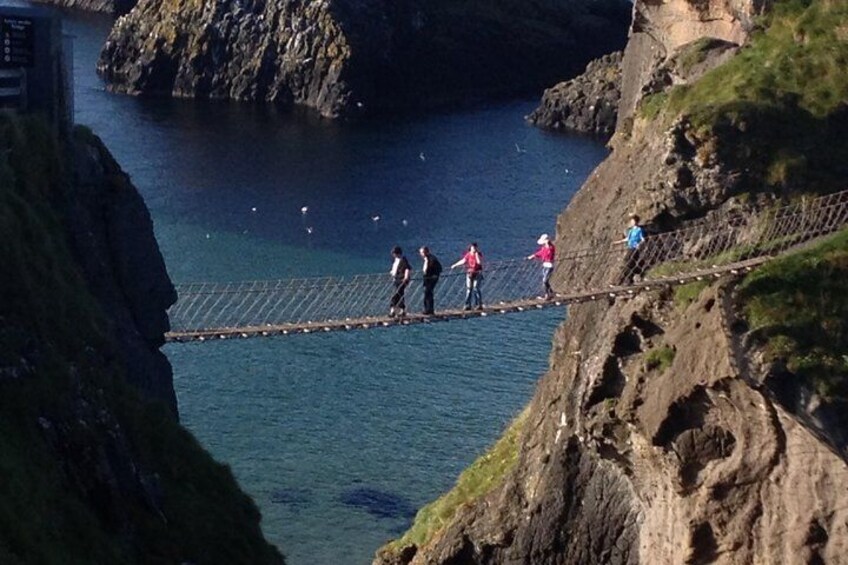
(472, 289)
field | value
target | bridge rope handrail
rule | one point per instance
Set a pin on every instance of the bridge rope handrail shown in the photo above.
(700, 245)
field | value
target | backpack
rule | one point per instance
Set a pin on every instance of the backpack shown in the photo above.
(436, 268)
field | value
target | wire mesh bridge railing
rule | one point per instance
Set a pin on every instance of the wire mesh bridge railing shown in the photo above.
(702, 248)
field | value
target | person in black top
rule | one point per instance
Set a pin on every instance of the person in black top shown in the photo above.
(401, 272)
(432, 270)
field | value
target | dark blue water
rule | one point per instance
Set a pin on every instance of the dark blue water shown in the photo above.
(340, 437)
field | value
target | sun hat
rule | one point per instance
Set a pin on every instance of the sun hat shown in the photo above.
(543, 239)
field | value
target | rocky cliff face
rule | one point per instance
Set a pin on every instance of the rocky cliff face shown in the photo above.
(353, 57)
(626, 459)
(660, 29)
(96, 468)
(585, 104)
(112, 238)
(657, 436)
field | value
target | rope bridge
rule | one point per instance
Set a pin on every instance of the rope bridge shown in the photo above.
(709, 247)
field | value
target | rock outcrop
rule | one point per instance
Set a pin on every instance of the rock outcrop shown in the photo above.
(96, 468)
(670, 43)
(657, 436)
(585, 104)
(355, 57)
(624, 461)
(111, 234)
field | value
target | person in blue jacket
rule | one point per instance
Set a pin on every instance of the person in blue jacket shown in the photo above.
(634, 239)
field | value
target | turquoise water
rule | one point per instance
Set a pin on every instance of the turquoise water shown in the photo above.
(340, 437)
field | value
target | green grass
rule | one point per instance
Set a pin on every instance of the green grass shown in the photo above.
(686, 294)
(677, 268)
(653, 105)
(486, 473)
(777, 107)
(659, 359)
(799, 58)
(695, 54)
(672, 269)
(54, 507)
(797, 307)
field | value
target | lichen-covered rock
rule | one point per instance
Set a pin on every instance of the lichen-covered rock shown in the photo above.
(353, 57)
(585, 104)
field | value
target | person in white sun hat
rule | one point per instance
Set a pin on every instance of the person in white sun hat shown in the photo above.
(546, 254)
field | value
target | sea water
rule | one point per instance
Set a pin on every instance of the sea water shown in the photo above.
(339, 438)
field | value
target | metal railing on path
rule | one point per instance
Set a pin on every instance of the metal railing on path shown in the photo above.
(709, 247)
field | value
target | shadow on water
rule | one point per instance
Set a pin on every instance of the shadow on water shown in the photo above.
(293, 497)
(378, 503)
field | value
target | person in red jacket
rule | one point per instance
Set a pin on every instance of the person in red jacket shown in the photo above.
(546, 254)
(473, 261)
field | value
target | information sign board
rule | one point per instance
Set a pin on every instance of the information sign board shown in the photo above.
(17, 42)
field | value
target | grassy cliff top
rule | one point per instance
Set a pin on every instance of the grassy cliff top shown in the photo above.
(779, 107)
(797, 58)
(797, 307)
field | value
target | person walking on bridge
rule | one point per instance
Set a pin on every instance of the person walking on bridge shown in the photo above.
(473, 261)
(634, 239)
(431, 270)
(401, 272)
(546, 254)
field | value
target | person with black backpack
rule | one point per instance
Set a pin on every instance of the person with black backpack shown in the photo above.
(432, 270)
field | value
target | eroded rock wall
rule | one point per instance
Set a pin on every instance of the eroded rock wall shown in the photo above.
(112, 237)
(354, 57)
(628, 461)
